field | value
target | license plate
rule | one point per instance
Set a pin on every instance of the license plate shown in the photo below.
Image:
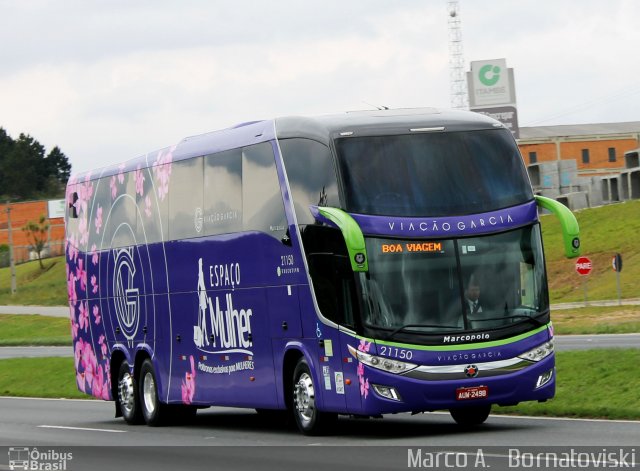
(476, 392)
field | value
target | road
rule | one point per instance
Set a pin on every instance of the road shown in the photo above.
(246, 440)
(52, 311)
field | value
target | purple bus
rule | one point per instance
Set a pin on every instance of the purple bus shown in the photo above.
(357, 264)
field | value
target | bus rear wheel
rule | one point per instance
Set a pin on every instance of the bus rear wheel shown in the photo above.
(306, 415)
(128, 400)
(154, 412)
(469, 416)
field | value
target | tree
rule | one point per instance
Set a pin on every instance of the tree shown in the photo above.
(6, 145)
(25, 172)
(37, 235)
(58, 165)
(22, 168)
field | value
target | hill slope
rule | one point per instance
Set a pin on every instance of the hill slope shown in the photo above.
(603, 232)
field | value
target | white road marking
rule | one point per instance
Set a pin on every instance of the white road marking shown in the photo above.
(83, 428)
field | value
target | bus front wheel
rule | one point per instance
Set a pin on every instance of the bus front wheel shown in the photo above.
(128, 395)
(469, 416)
(308, 418)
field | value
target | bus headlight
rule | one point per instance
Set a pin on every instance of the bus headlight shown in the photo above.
(539, 353)
(382, 363)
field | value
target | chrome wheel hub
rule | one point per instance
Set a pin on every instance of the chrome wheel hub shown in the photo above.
(149, 393)
(126, 393)
(304, 397)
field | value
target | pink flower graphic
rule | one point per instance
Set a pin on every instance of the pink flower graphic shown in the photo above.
(94, 254)
(364, 387)
(114, 187)
(96, 314)
(98, 383)
(89, 363)
(77, 351)
(147, 206)
(81, 382)
(74, 329)
(162, 172)
(84, 316)
(139, 176)
(103, 345)
(83, 229)
(72, 247)
(81, 275)
(98, 221)
(71, 290)
(364, 346)
(364, 382)
(189, 383)
(94, 284)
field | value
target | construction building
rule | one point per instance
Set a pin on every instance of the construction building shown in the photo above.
(583, 165)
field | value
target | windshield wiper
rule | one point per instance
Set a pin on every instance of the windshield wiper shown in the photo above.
(537, 322)
(516, 316)
(406, 326)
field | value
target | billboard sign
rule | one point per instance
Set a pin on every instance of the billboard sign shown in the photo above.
(490, 83)
(55, 208)
(507, 115)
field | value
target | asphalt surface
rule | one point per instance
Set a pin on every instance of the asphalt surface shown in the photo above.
(246, 440)
(52, 311)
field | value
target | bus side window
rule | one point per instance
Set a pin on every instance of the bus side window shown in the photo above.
(262, 207)
(185, 199)
(311, 175)
(223, 192)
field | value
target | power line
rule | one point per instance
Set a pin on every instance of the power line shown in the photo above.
(615, 96)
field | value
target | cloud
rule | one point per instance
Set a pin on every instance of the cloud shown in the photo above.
(108, 81)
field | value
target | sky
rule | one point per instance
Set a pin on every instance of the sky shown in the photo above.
(110, 80)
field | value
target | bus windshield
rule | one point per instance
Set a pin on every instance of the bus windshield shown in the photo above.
(432, 174)
(477, 283)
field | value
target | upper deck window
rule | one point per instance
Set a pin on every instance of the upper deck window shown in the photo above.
(434, 174)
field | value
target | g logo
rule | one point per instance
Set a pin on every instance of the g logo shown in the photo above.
(489, 75)
(126, 296)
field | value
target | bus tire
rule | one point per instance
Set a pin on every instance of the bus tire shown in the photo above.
(128, 400)
(154, 412)
(306, 415)
(469, 416)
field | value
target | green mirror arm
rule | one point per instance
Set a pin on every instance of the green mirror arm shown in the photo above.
(568, 222)
(352, 236)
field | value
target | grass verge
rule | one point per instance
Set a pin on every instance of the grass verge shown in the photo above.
(36, 287)
(33, 330)
(592, 383)
(39, 377)
(597, 320)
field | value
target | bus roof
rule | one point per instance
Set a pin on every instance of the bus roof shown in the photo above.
(381, 122)
(320, 128)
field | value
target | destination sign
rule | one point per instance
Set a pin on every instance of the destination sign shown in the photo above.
(412, 247)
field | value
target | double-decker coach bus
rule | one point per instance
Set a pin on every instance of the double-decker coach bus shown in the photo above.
(362, 264)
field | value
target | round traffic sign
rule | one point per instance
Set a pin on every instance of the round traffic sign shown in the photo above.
(616, 262)
(583, 265)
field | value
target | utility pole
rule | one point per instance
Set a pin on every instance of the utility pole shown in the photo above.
(11, 261)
